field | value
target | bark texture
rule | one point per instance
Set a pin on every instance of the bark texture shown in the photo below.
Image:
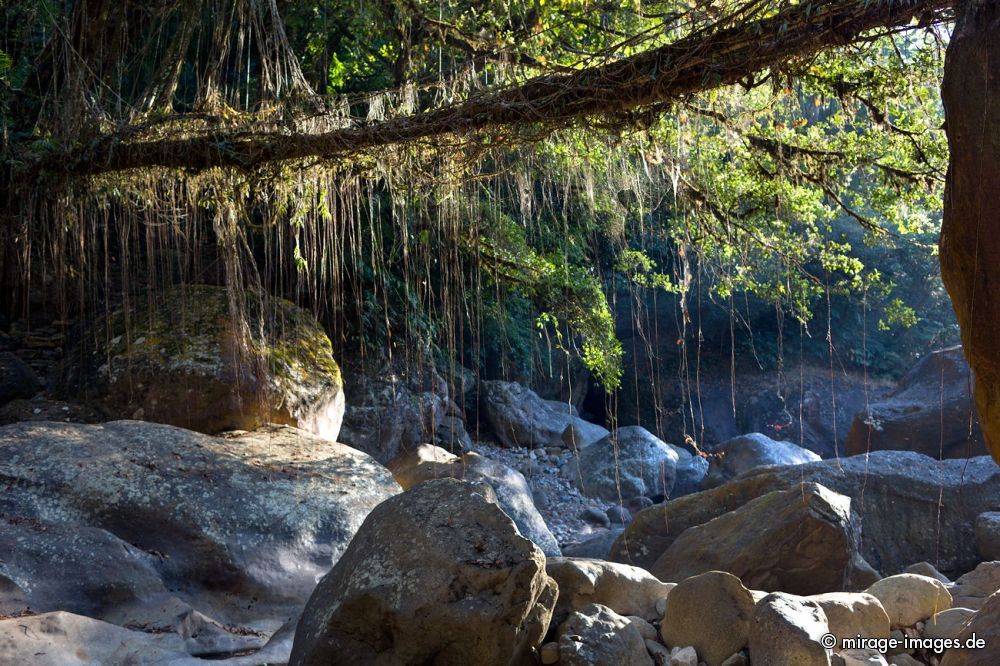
(970, 234)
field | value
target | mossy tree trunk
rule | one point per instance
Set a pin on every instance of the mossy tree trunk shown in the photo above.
(970, 235)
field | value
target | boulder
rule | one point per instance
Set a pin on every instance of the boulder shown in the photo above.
(596, 547)
(786, 630)
(710, 612)
(802, 540)
(631, 462)
(948, 623)
(513, 493)
(597, 635)
(625, 589)
(910, 598)
(911, 507)
(105, 519)
(520, 418)
(972, 589)
(689, 474)
(988, 535)
(747, 452)
(927, 569)
(930, 411)
(849, 614)
(437, 574)
(176, 359)
(17, 379)
(390, 413)
(984, 626)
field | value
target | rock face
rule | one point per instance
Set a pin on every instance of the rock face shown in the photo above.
(973, 588)
(802, 540)
(625, 589)
(438, 574)
(17, 379)
(513, 494)
(787, 630)
(391, 414)
(747, 452)
(970, 260)
(894, 493)
(930, 412)
(985, 625)
(631, 462)
(598, 635)
(519, 417)
(180, 364)
(137, 523)
(710, 612)
(910, 598)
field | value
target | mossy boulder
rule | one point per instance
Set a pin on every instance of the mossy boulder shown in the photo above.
(180, 358)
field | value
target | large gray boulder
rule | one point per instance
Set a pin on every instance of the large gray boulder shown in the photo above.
(438, 574)
(931, 411)
(631, 462)
(138, 523)
(747, 452)
(513, 493)
(710, 612)
(788, 630)
(176, 359)
(912, 508)
(801, 540)
(597, 635)
(389, 414)
(520, 418)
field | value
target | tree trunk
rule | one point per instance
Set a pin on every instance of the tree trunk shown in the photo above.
(970, 234)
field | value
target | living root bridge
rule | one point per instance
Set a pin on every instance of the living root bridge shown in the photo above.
(721, 55)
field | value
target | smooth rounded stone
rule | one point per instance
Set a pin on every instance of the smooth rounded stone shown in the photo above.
(803, 540)
(618, 515)
(61, 638)
(438, 573)
(17, 379)
(973, 588)
(689, 475)
(647, 630)
(910, 598)
(985, 625)
(786, 631)
(173, 361)
(683, 656)
(595, 517)
(947, 624)
(549, 653)
(516, 499)
(851, 613)
(988, 535)
(625, 589)
(630, 462)
(927, 569)
(597, 635)
(747, 452)
(595, 547)
(519, 417)
(914, 508)
(661, 607)
(710, 612)
(240, 527)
